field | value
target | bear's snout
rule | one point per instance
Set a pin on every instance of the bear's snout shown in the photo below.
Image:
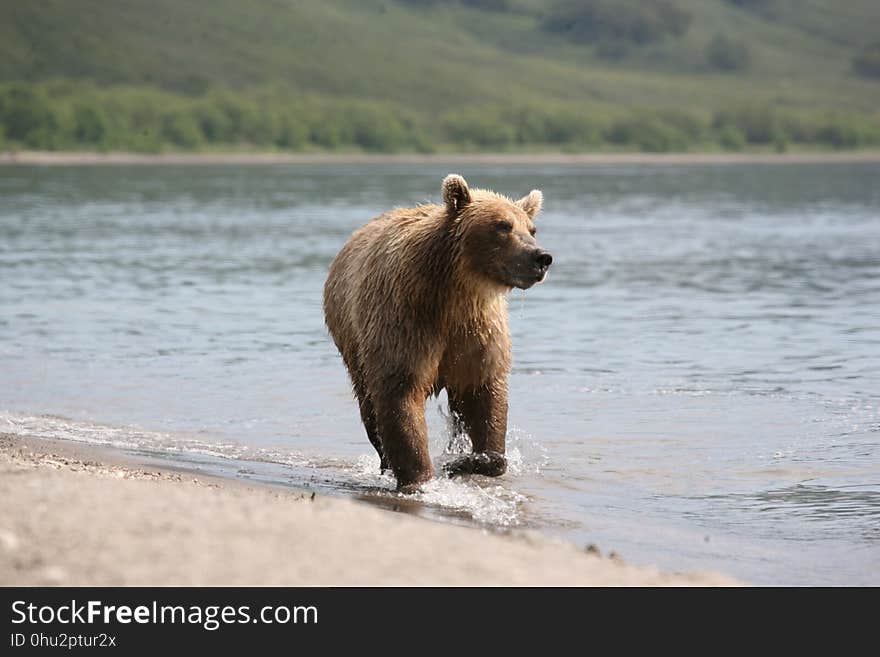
(543, 258)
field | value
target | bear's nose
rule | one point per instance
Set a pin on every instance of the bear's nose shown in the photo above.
(543, 258)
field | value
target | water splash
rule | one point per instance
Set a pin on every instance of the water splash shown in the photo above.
(525, 454)
(494, 505)
(484, 503)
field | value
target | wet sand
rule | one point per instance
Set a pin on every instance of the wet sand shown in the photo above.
(72, 514)
(46, 158)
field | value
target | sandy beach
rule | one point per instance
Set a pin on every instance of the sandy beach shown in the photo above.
(75, 515)
(47, 158)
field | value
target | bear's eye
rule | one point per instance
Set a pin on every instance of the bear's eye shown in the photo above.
(532, 231)
(504, 226)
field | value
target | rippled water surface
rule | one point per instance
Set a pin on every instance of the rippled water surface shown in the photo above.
(696, 385)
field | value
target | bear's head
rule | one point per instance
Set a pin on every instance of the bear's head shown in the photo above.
(496, 234)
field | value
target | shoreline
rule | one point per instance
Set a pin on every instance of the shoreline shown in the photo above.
(77, 515)
(53, 158)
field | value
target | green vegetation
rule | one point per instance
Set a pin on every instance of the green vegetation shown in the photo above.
(64, 115)
(592, 21)
(725, 54)
(867, 62)
(756, 5)
(424, 75)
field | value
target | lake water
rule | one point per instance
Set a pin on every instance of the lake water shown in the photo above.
(696, 385)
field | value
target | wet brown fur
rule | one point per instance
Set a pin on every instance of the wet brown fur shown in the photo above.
(416, 302)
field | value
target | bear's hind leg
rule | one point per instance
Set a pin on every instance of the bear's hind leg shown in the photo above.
(368, 417)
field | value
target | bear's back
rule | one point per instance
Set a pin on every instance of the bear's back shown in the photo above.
(385, 264)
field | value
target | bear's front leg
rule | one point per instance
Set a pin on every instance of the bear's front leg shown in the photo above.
(483, 414)
(401, 421)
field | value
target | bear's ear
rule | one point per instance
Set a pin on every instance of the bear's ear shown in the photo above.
(456, 194)
(532, 202)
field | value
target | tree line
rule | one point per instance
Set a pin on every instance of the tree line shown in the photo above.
(67, 115)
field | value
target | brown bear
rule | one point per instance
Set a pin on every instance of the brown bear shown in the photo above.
(416, 301)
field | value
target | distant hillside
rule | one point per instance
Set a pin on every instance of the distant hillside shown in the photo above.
(465, 74)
